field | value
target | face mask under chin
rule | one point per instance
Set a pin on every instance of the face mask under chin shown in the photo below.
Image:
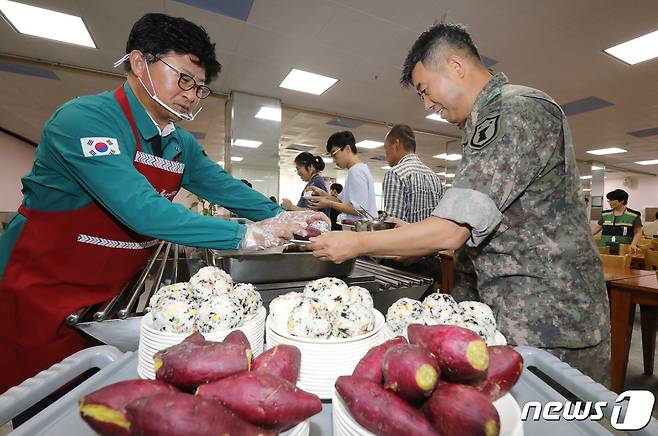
(154, 97)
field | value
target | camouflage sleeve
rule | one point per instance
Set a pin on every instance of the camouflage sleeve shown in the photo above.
(526, 132)
(468, 206)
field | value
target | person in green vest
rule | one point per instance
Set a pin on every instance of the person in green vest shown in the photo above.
(621, 224)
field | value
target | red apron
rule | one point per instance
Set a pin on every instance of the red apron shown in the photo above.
(63, 261)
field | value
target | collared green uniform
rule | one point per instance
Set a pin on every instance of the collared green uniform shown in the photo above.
(533, 258)
(620, 229)
(64, 178)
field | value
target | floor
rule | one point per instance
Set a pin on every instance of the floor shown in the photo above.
(635, 379)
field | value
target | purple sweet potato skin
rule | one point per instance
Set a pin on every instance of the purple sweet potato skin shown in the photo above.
(187, 365)
(381, 411)
(281, 360)
(116, 396)
(401, 367)
(195, 338)
(505, 368)
(237, 337)
(180, 414)
(370, 365)
(456, 409)
(461, 353)
(263, 399)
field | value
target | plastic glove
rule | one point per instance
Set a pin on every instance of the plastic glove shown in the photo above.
(301, 218)
(269, 233)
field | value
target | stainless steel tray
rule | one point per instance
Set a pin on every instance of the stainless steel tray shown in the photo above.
(275, 268)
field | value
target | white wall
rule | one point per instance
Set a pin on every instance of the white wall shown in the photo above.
(17, 159)
(642, 192)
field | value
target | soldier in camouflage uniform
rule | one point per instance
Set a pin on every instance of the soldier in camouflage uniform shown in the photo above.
(515, 204)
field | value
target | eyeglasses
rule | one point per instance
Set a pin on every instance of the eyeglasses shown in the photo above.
(332, 154)
(187, 82)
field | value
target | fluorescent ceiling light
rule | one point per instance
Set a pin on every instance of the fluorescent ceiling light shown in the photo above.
(597, 168)
(449, 176)
(647, 162)
(45, 23)
(387, 167)
(257, 180)
(303, 81)
(247, 143)
(367, 143)
(613, 150)
(444, 156)
(448, 185)
(636, 50)
(236, 158)
(269, 113)
(585, 177)
(327, 160)
(304, 145)
(436, 117)
(586, 189)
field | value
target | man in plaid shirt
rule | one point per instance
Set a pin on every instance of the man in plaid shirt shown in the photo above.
(411, 192)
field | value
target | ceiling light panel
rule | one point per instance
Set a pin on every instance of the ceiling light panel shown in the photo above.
(636, 50)
(248, 143)
(311, 83)
(269, 113)
(46, 23)
(367, 143)
(602, 151)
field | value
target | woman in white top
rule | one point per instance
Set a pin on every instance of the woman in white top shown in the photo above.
(359, 191)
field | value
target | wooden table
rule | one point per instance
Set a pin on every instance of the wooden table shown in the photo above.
(447, 271)
(624, 295)
(611, 273)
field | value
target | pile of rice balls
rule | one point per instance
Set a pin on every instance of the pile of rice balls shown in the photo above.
(440, 308)
(327, 308)
(209, 302)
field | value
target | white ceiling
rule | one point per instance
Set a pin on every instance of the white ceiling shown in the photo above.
(555, 46)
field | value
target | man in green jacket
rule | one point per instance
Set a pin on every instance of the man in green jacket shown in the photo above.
(620, 225)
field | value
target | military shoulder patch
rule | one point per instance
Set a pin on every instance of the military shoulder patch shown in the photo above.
(485, 132)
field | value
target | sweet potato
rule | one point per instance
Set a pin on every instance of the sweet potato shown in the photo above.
(179, 414)
(105, 409)
(195, 338)
(461, 353)
(370, 365)
(281, 360)
(505, 368)
(456, 409)
(410, 371)
(187, 365)
(381, 411)
(311, 232)
(237, 337)
(263, 399)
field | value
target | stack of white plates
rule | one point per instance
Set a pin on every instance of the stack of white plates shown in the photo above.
(498, 338)
(301, 429)
(507, 407)
(151, 340)
(323, 360)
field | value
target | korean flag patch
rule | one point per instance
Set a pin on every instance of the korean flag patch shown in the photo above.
(485, 132)
(92, 147)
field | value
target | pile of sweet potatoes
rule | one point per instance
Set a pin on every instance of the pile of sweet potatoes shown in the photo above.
(206, 388)
(442, 382)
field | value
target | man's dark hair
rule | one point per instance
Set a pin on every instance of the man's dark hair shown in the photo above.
(619, 195)
(341, 140)
(405, 135)
(452, 35)
(307, 160)
(339, 188)
(158, 34)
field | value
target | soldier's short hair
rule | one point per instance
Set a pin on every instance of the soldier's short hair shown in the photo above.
(405, 135)
(441, 34)
(619, 195)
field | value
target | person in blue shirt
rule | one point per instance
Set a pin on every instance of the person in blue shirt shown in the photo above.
(308, 168)
(99, 195)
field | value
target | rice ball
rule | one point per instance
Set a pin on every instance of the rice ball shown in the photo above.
(248, 298)
(322, 226)
(329, 291)
(281, 307)
(218, 313)
(440, 309)
(211, 280)
(403, 312)
(358, 294)
(479, 326)
(353, 319)
(177, 291)
(174, 315)
(477, 310)
(310, 319)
